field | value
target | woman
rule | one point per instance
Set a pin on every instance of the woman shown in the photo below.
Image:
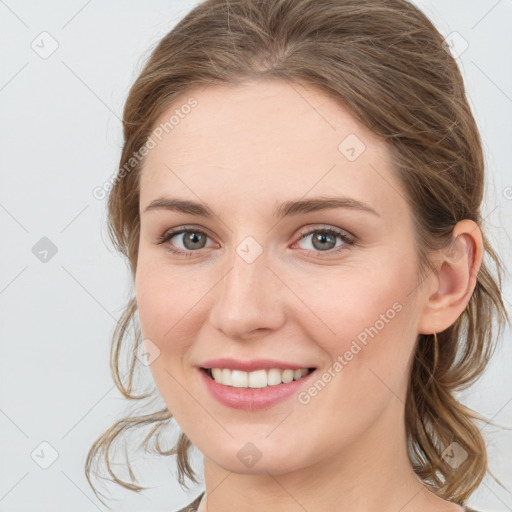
(299, 200)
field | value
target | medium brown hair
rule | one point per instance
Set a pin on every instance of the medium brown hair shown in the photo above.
(386, 63)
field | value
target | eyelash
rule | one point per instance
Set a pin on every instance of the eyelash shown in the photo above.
(345, 237)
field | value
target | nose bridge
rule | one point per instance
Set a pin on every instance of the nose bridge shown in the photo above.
(247, 297)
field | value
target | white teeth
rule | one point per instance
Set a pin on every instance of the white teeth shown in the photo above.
(239, 379)
(273, 377)
(226, 377)
(256, 379)
(287, 376)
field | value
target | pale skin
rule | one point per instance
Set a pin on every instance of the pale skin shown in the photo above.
(242, 151)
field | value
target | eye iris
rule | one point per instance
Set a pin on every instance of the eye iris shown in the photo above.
(322, 238)
(194, 238)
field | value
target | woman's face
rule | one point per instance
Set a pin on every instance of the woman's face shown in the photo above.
(276, 278)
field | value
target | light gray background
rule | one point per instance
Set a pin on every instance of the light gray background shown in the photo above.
(60, 136)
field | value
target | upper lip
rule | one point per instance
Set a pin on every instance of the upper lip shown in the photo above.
(252, 365)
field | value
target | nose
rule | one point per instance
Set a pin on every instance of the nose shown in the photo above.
(249, 299)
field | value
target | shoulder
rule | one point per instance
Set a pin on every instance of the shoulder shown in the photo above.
(192, 507)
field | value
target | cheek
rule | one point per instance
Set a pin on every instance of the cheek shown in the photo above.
(369, 361)
(172, 304)
(164, 304)
(166, 300)
(365, 322)
(352, 302)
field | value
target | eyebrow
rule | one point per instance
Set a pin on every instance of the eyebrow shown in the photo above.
(288, 208)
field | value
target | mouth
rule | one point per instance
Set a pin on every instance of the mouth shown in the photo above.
(257, 379)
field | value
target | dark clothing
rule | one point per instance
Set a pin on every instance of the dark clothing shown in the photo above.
(193, 506)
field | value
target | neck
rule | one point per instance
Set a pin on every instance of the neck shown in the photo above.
(372, 473)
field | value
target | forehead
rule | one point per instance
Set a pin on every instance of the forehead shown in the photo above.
(265, 140)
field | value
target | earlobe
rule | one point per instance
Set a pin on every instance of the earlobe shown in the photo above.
(456, 278)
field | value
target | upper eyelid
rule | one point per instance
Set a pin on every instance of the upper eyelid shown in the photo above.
(327, 227)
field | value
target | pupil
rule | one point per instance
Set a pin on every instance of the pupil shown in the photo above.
(323, 238)
(195, 239)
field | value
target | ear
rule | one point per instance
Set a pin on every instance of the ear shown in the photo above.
(449, 289)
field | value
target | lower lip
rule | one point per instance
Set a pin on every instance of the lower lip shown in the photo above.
(249, 399)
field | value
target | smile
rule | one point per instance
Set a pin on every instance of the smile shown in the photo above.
(256, 379)
(253, 385)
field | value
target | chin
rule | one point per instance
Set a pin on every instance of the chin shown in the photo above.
(263, 466)
(255, 458)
